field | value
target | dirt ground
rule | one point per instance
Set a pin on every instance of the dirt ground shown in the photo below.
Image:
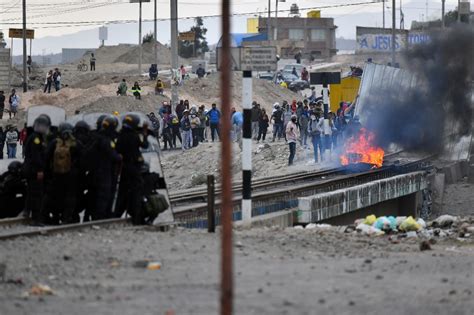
(277, 271)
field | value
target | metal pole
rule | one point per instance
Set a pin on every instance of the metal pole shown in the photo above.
(227, 286)
(269, 32)
(276, 21)
(140, 39)
(155, 37)
(174, 51)
(247, 147)
(459, 15)
(393, 32)
(25, 80)
(211, 193)
(443, 22)
(383, 13)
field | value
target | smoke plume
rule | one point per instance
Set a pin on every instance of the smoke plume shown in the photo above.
(440, 106)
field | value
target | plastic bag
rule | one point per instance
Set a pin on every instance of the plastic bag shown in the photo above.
(386, 223)
(409, 225)
(369, 230)
(370, 219)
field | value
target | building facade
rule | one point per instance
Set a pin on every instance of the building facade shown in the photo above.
(313, 36)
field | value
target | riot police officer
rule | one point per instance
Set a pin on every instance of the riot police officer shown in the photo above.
(62, 167)
(129, 142)
(104, 168)
(34, 166)
(12, 191)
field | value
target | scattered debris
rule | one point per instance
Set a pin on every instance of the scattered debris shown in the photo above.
(153, 265)
(425, 245)
(40, 290)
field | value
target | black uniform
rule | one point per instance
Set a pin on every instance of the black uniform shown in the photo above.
(12, 193)
(35, 150)
(2, 141)
(131, 182)
(61, 188)
(102, 174)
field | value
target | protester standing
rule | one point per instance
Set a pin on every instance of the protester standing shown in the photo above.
(263, 124)
(292, 136)
(14, 101)
(187, 139)
(57, 79)
(92, 61)
(314, 131)
(48, 82)
(12, 140)
(255, 119)
(214, 119)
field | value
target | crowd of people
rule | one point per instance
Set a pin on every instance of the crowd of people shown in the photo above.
(303, 122)
(69, 170)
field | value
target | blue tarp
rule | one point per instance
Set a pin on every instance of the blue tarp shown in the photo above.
(236, 39)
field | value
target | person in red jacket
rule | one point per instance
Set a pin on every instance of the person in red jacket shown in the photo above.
(23, 135)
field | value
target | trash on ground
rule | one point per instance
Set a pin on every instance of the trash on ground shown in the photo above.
(153, 265)
(41, 289)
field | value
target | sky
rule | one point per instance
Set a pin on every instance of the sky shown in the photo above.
(74, 23)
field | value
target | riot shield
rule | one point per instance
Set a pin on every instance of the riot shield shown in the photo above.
(56, 114)
(151, 156)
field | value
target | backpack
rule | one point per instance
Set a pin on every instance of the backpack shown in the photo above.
(62, 157)
(154, 204)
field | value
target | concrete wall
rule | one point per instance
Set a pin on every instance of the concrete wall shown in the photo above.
(4, 70)
(379, 40)
(325, 206)
(70, 55)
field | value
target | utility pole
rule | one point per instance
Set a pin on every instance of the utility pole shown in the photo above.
(275, 36)
(269, 31)
(443, 22)
(393, 32)
(155, 42)
(25, 78)
(227, 274)
(383, 13)
(140, 38)
(174, 51)
(459, 14)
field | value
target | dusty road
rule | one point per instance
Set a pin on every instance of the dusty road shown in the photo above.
(277, 271)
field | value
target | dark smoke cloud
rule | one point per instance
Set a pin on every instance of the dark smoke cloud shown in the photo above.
(417, 119)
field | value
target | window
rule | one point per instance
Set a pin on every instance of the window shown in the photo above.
(318, 35)
(296, 34)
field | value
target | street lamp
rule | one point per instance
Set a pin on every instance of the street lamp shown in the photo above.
(269, 32)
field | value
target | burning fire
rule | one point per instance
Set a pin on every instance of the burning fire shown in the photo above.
(361, 149)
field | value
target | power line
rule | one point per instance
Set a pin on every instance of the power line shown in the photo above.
(92, 23)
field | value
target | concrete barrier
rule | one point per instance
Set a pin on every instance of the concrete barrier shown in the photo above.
(471, 174)
(328, 205)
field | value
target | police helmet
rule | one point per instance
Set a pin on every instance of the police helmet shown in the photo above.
(65, 128)
(131, 121)
(81, 125)
(41, 124)
(110, 123)
(99, 121)
(15, 167)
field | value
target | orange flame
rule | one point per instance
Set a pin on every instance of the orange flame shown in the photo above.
(361, 149)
